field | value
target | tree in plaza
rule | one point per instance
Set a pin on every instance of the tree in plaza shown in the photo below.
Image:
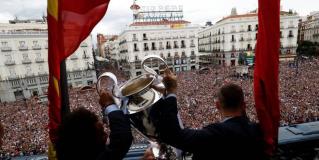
(308, 48)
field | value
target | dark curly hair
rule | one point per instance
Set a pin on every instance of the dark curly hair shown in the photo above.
(80, 136)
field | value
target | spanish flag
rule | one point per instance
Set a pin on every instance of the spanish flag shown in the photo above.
(69, 23)
(267, 70)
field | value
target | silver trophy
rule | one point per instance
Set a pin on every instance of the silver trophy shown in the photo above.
(137, 97)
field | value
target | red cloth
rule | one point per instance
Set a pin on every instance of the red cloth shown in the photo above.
(69, 23)
(266, 70)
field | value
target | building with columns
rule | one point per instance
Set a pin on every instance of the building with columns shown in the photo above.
(24, 60)
(160, 31)
(236, 34)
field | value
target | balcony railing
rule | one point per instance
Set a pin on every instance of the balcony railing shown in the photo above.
(85, 56)
(153, 48)
(9, 62)
(161, 48)
(6, 49)
(183, 46)
(145, 38)
(39, 60)
(26, 61)
(36, 47)
(136, 50)
(249, 39)
(168, 47)
(192, 45)
(134, 39)
(11, 77)
(84, 44)
(176, 46)
(291, 26)
(233, 40)
(42, 73)
(29, 75)
(123, 51)
(74, 57)
(241, 39)
(290, 36)
(146, 49)
(23, 48)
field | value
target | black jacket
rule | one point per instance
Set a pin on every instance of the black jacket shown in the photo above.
(120, 137)
(235, 138)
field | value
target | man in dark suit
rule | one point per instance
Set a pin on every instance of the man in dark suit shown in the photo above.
(233, 138)
(81, 135)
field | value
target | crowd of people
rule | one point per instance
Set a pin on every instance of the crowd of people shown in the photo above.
(25, 122)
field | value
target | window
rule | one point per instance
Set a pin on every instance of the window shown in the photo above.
(168, 45)
(4, 44)
(135, 47)
(8, 57)
(25, 55)
(22, 43)
(184, 68)
(232, 38)
(182, 44)
(175, 44)
(249, 27)
(161, 45)
(256, 27)
(290, 33)
(192, 43)
(134, 37)
(144, 36)
(136, 58)
(12, 71)
(249, 47)
(153, 46)
(176, 61)
(35, 43)
(40, 67)
(192, 53)
(145, 47)
(28, 69)
(138, 73)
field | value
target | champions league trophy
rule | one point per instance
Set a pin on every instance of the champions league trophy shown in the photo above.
(137, 97)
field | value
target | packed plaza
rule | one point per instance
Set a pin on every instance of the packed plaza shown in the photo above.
(25, 122)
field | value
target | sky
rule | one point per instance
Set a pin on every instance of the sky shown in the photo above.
(119, 15)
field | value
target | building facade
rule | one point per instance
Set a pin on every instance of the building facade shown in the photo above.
(24, 61)
(237, 34)
(161, 32)
(309, 28)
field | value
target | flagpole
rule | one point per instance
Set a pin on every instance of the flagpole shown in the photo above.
(65, 107)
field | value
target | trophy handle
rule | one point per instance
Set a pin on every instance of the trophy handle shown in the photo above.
(148, 69)
(115, 89)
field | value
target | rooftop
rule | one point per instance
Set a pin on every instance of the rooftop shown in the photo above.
(162, 22)
(254, 14)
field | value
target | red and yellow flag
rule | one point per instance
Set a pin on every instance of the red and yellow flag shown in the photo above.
(266, 71)
(69, 23)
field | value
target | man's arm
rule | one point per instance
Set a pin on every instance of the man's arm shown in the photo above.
(121, 135)
(171, 133)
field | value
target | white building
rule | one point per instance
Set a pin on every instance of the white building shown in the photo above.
(237, 34)
(309, 28)
(160, 32)
(24, 61)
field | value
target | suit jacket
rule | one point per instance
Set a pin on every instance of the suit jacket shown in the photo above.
(235, 138)
(120, 137)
